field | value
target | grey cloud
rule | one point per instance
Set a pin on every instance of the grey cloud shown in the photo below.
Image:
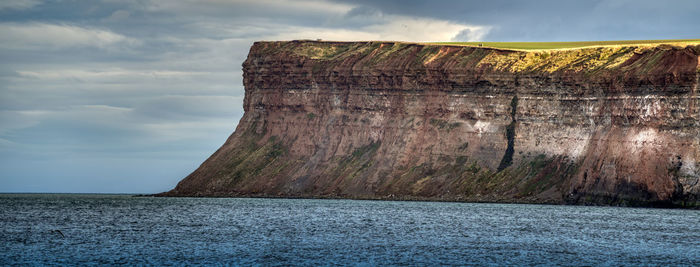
(158, 87)
(129, 94)
(18, 4)
(560, 20)
(55, 36)
(468, 35)
(182, 108)
(360, 16)
(119, 15)
(77, 130)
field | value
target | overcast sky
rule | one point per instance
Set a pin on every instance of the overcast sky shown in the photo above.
(132, 95)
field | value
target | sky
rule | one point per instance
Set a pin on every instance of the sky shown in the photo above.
(130, 96)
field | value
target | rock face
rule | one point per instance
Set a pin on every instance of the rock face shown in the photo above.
(386, 120)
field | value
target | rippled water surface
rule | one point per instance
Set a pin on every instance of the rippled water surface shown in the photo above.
(120, 229)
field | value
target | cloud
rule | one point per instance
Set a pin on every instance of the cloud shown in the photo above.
(251, 8)
(421, 30)
(105, 75)
(13, 120)
(18, 4)
(285, 20)
(57, 36)
(556, 20)
(96, 128)
(119, 15)
(140, 88)
(379, 26)
(182, 108)
(471, 34)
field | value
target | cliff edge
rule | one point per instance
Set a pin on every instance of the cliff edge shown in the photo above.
(389, 120)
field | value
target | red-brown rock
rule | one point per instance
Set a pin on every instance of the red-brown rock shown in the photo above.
(384, 120)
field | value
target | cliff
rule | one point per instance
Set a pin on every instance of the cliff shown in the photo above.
(388, 120)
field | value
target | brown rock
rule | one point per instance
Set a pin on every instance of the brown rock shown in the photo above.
(617, 126)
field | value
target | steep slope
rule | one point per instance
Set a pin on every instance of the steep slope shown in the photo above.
(606, 125)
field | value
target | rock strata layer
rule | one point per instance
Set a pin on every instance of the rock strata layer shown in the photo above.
(389, 120)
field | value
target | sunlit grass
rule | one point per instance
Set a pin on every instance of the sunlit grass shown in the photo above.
(590, 56)
(566, 45)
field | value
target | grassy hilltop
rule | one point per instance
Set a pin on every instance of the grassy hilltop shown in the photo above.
(589, 56)
(568, 45)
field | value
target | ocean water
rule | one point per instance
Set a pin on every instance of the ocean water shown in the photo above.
(41, 229)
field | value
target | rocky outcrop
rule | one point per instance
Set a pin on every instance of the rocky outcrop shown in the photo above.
(388, 120)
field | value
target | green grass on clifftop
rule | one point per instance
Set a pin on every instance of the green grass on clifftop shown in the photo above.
(524, 57)
(566, 45)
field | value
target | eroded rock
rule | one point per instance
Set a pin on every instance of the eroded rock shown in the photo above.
(610, 125)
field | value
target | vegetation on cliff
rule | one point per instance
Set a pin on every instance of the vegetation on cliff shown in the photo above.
(588, 57)
(570, 45)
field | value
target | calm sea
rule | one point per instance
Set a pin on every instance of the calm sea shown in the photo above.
(41, 229)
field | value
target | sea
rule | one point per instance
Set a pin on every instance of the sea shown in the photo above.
(95, 229)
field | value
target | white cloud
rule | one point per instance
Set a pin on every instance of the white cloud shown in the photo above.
(269, 6)
(472, 34)
(119, 15)
(421, 29)
(387, 28)
(410, 30)
(18, 4)
(12, 120)
(188, 130)
(335, 21)
(155, 120)
(97, 75)
(53, 36)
